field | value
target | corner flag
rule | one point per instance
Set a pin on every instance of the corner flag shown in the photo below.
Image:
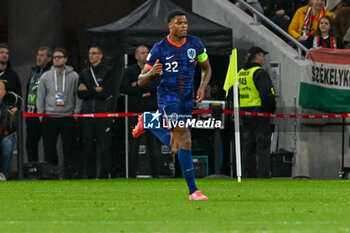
(231, 75)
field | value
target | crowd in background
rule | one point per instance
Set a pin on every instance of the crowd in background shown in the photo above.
(53, 87)
(314, 23)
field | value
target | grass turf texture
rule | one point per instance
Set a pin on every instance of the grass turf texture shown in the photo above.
(162, 205)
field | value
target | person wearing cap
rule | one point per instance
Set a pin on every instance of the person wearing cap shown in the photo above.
(256, 94)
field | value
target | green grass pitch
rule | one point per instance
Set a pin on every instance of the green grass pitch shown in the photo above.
(162, 205)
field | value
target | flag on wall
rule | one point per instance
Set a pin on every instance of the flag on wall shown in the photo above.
(326, 84)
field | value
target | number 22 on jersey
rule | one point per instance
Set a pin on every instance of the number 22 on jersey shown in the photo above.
(171, 67)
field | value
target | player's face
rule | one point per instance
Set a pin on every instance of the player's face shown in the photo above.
(179, 26)
(4, 55)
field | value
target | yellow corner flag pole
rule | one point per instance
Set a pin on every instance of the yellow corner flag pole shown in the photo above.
(232, 80)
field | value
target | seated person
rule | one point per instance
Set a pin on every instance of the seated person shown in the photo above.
(279, 11)
(7, 133)
(324, 37)
(306, 20)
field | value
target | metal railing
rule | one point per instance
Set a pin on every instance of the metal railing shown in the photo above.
(256, 14)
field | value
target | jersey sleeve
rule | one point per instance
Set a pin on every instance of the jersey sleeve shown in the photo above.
(152, 57)
(201, 51)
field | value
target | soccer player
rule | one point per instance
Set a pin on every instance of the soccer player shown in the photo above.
(173, 60)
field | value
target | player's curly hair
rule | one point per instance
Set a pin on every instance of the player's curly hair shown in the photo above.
(174, 13)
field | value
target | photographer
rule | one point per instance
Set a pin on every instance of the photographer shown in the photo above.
(8, 127)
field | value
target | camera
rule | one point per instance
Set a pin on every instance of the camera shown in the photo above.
(11, 99)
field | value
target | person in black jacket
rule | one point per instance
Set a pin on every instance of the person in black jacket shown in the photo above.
(256, 95)
(8, 128)
(96, 88)
(7, 75)
(34, 127)
(141, 99)
(11, 80)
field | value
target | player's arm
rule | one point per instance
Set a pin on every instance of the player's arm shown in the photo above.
(206, 75)
(148, 72)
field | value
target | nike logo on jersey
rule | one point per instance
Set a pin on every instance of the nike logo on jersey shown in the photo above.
(167, 58)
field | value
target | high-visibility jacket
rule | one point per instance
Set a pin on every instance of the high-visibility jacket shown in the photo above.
(248, 94)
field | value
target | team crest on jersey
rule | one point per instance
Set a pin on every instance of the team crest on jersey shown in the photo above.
(191, 53)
